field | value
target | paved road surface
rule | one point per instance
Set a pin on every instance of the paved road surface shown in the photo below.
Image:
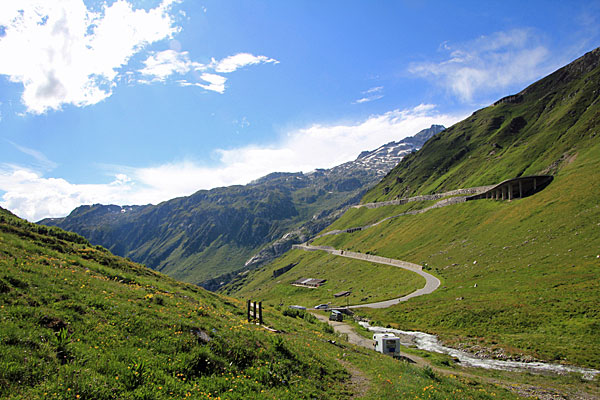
(431, 282)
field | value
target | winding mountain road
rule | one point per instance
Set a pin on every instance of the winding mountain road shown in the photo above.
(431, 282)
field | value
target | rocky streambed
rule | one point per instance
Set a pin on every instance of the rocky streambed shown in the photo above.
(428, 342)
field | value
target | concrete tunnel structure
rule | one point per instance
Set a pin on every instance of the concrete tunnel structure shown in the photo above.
(515, 188)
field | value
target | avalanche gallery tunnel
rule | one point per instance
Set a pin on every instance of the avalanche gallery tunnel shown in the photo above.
(515, 188)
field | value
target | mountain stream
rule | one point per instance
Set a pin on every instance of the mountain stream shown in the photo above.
(425, 341)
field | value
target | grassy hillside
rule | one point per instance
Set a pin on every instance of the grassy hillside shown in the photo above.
(528, 133)
(535, 263)
(80, 323)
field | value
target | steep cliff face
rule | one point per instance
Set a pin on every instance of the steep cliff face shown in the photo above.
(214, 232)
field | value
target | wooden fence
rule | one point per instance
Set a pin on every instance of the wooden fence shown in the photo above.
(255, 312)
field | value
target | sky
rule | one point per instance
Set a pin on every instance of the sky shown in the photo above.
(140, 101)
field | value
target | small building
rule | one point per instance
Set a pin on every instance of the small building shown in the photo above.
(309, 282)
(386, 343)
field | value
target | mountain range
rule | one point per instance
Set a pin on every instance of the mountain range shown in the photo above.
(530, 132)
(205, 237)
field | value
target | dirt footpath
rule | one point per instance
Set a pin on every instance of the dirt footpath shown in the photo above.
(355, 338)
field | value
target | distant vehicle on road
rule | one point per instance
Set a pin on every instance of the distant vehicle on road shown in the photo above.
(322, 307)
(336, 316)
(298, 307)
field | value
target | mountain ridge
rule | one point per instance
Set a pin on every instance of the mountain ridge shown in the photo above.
(215, 232)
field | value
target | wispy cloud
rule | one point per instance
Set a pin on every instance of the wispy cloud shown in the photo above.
(31, 195)
(212, 82)
(376, 89)
(41, 161)
(216, 83)
(488, 64)
(161, 65)
(375, 93)
(64, 53)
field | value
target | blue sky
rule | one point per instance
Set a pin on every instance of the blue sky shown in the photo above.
(139, 101)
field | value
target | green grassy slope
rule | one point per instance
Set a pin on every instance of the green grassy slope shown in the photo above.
(80, 323)
(529, 133)
(363, 216)
(535, 262)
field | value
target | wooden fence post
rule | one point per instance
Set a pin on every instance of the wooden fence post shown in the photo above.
(248, 310)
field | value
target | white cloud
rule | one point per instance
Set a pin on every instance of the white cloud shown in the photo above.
(488, 64)
(64, 53)
(163, 64)
(216, 83)
(233, 63)
(368, 99)
(370, 95)
(32, 196)
(376, 89)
